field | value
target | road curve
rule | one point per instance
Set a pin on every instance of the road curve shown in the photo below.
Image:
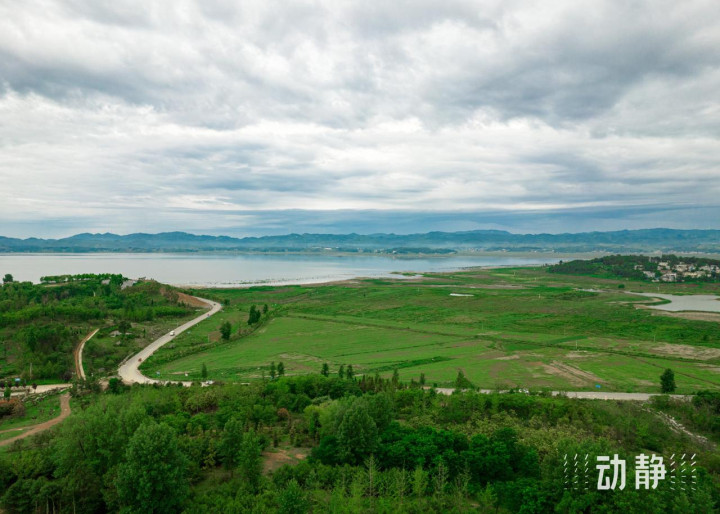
(129, 372)
(64, 413)
(588, 395)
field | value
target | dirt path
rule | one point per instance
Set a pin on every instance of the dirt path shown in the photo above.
(79, 371)
(64, 413)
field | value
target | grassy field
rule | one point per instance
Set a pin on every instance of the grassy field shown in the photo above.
(510, 327)
(46, 409)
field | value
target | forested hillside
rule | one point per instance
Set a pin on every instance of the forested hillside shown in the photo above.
(330, 444)
(40, 324)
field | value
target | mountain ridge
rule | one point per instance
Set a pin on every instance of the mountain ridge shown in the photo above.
(640, 240)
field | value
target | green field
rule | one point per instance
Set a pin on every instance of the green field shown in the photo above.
(516, 327)
(44, 410)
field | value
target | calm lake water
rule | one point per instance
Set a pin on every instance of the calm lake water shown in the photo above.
(223, 270)
(695, 302)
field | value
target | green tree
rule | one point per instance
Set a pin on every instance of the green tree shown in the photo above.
(395, 377)
(461, 382)
(357, 434)
(153, 476)
(291, 499)
(381, 409)
(349, 374)
(115, 385)
(123, 327)
(230, 443)
(225, 330)
(341, 371)
(265, 309)
(7, 278)
(7, 392)
(280, 369)
(204, 371)
(254, 315)
(325, 370)
(250, 459)
(273, 370)
(419, 481)
(667, 381)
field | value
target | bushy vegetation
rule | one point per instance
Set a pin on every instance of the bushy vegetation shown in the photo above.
(371, 445)
(40, 324)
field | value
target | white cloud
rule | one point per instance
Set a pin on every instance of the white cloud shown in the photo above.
(207, 111)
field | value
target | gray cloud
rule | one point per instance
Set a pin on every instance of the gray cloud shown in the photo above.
(211, 115)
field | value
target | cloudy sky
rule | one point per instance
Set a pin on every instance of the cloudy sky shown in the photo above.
(265, 117)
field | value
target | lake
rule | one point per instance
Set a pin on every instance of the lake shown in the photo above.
(241, 270)
(695, 302)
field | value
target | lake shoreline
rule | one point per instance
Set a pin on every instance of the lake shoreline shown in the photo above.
(242, 270)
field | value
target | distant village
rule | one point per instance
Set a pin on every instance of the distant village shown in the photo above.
(665, 268)
(667, 271)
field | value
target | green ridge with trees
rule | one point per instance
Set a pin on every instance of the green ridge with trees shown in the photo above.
(364, 445)
(40, 324)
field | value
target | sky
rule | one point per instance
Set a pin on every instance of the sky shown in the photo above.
(271, 117)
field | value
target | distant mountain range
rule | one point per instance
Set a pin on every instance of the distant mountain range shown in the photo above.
(624, 241)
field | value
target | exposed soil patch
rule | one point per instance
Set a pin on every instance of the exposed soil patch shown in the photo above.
(579, 354)
(278, 457)
(641, 382)
(693, 352)
(715, 369)
(573, 375)
(191, 301)
(696, 316)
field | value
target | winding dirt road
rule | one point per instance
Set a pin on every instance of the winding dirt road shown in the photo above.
(79, 371)
(129, 372)
(64, 413)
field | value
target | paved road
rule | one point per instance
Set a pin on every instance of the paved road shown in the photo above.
(64, 413)
(589, 395)
(78, 354)
(129, 372)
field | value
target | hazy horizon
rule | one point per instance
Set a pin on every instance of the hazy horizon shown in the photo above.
(195, 233)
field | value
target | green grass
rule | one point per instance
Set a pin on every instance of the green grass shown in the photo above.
(46, 409)
(521, 327)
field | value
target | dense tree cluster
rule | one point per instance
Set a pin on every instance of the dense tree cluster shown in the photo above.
(40, 324)
(390, 448)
